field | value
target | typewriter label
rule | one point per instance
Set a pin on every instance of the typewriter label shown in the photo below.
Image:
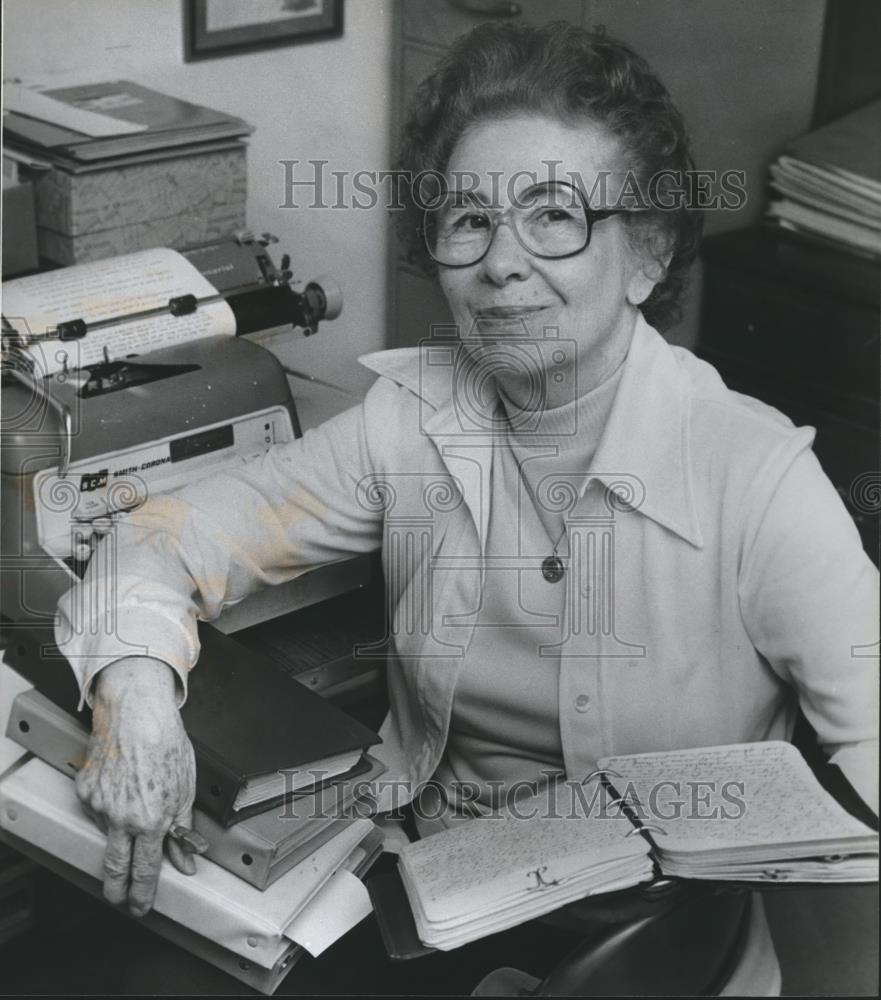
(123, 480)
(93, 481)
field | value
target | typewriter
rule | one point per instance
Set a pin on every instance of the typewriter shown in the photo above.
(104, 406)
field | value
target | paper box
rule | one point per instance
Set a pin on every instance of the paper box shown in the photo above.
(174, 202)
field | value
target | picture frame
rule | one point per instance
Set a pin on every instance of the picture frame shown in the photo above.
(216, 28)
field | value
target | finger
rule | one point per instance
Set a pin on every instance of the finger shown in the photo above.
(182, 859)
(87, 790)
(117, 865)
(99, 819)
(84, 782)
(146, 860)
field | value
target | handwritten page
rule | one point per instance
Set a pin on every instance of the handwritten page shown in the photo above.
(501, 869)
(108, 289)
(739, 796)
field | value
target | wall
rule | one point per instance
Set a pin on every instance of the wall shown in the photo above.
(322, 100)
(744, 75)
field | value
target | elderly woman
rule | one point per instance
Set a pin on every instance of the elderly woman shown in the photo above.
(591, 545)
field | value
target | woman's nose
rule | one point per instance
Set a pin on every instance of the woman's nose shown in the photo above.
(506, 260)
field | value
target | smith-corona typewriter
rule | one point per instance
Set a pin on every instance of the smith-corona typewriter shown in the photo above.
(127, 378)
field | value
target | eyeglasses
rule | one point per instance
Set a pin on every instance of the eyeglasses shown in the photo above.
(550, 220)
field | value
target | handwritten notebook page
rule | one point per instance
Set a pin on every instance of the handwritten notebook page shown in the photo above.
(745, 797)
(528, 905)
(108, 289)
(501, 869)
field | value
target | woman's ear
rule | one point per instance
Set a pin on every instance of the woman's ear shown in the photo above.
(651, 259)
(648, 273)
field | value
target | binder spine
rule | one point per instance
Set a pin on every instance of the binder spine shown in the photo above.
(257, 861)
(216, 786)
(235, 849)
(298, 856)
(38, 725)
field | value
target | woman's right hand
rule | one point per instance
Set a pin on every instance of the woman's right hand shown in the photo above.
(139, 777)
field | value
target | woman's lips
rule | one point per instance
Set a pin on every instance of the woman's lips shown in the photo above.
(507, 312)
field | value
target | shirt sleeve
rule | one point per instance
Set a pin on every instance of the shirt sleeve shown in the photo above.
(187, 555)
(809, 600)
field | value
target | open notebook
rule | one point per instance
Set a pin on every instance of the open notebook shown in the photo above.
(747, 813)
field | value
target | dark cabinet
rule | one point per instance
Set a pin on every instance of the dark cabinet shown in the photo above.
(796, 324)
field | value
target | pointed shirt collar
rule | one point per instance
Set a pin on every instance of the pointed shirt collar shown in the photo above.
(644, 452)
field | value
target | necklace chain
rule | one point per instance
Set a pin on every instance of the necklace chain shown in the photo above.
(552, 567)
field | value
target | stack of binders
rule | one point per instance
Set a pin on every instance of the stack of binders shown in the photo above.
(283, 849)
(260, 847)
(255, 936)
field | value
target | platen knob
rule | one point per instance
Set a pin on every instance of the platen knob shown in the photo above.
(333, 295)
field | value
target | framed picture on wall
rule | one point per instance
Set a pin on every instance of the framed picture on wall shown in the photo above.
(214, 28)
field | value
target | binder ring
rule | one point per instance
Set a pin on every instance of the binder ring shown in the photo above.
(601, 772)
(648, 827)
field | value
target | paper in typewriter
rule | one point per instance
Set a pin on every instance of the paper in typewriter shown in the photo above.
(751, 811)
(496, 871)
(108, 289)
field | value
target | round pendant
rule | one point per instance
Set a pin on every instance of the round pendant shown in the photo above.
(552, 569)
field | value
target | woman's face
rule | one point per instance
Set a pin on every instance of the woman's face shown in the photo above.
(590, 299)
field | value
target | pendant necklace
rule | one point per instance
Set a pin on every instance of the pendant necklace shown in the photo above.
(552, 568)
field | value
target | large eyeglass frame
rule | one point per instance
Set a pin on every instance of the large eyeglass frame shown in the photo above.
(498, 218)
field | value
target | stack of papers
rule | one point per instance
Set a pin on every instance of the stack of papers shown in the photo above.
(829, 183)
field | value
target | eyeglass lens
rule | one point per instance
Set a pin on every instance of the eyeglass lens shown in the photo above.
(550, 221)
